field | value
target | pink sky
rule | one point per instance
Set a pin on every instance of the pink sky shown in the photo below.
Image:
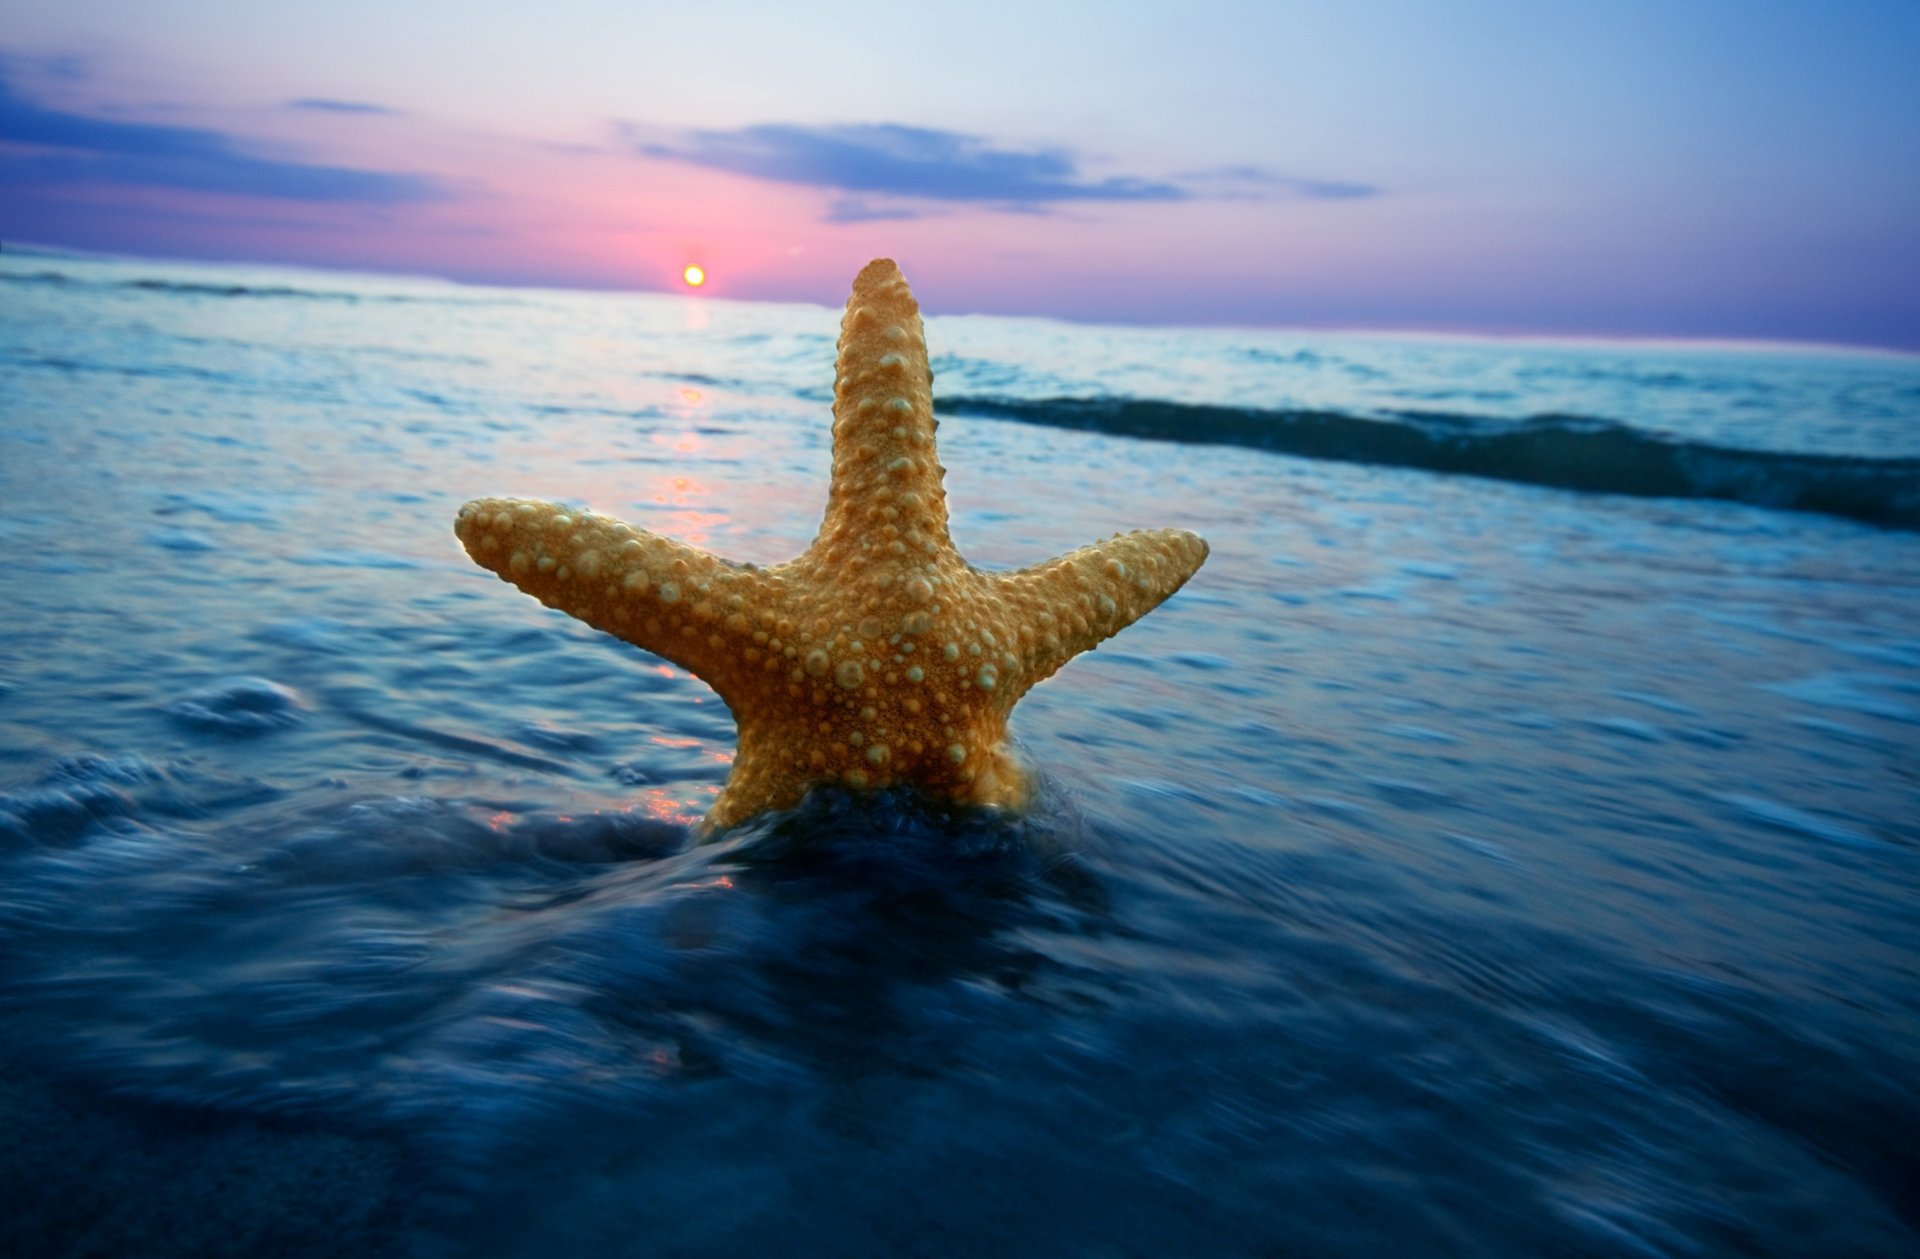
(1709, 173)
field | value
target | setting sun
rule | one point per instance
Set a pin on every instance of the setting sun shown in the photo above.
(694, 276)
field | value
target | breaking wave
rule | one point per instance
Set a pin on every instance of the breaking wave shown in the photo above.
(1564, 451)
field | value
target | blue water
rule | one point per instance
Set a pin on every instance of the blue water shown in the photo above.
(1462, 864)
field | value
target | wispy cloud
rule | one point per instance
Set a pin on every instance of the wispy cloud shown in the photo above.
(1257, 181)
(326, 105)
(860, 210)
(64, 147)
(891, 160)
(891, 171)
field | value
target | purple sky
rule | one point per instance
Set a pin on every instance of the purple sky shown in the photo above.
(1737, 170)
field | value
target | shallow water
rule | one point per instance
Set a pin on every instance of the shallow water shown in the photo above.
(1453, 867)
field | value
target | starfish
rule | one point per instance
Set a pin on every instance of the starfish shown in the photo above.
(877, 658)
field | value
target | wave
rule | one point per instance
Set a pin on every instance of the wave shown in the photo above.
(1563, 451)
(234, 290)
(191, 288)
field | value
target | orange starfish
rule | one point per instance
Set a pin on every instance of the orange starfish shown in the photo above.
(879, 656)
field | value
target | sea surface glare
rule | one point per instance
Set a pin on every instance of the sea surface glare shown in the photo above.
(1481, 857)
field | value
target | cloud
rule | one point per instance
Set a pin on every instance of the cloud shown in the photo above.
(860, 210)
(71, 148)
(328, 106)
(1257, 181)
(891, 160)
(890, 171)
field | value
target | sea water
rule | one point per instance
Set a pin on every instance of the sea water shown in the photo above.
(1508, 843)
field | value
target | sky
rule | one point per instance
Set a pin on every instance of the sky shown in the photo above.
(1679, 168)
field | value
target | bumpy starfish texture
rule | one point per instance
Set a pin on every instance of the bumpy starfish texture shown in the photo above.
(878, 657)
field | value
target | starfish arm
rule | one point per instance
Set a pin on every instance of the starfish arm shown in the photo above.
(1075, 602)
(887, 478)
(674, 600)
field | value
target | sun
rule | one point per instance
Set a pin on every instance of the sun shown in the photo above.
(694, 275)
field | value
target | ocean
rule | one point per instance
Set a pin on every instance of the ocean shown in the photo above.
(1507, 844)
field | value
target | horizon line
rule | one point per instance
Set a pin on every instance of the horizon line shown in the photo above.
(1470, 332)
